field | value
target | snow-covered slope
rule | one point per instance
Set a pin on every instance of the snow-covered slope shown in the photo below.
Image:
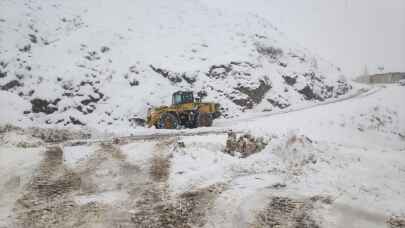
(102, 63)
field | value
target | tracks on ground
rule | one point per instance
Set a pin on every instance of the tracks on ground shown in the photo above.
(61, 196)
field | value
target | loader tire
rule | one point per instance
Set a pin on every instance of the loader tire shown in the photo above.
(204, 120)
(168, 121)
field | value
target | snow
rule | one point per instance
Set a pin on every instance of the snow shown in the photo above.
(346, 145)
(138, 153)
(11, 107)
(317, 151)
(17, 166)
(360, 169)
(74, 155)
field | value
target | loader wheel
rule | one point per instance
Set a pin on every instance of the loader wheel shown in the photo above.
(204, 120)
(167, 121)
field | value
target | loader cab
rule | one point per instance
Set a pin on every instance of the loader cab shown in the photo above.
(182, 97)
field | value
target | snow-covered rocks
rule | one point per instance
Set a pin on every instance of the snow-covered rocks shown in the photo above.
(76, 70)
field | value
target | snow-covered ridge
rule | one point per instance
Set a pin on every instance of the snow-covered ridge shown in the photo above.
(103, 63)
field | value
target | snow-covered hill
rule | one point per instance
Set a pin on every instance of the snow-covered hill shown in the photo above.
(102, 63)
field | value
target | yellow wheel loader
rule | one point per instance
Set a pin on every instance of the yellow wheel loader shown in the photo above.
(185, 111)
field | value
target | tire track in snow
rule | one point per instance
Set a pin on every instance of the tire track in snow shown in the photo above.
(157, 208)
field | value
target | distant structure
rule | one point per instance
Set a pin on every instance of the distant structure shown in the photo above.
(384, 78)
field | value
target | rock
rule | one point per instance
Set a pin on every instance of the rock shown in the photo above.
(246, 103)
(278, 185)
(219, 71)
(44, 106)
(33, 38)
(76, 121)
(137, 121)
(255, 95)
(272, 52)
(342, 88)
(290, 80)
(92, 56)
(173, 77)
(188, 79)
(282, 64)
(91, 99)
(279, 102)
(181, 144)
(201, 94)
(134, 82)
(309, 94)
(3, 74)
(26, 48)
(12, 84)
(104, 49)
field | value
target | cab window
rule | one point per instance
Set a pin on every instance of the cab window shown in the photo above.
(177, 99)
(187, 98)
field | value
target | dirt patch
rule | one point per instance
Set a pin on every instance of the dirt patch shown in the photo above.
(190, 208)
(186, 211)
(8, 127)
(156, 208)
(56, 135)
(60, 197)
(49, 199)
(244, 145)
(160, 168)
(46, 199)
(396, 222)
(160, 163)
(288, 212)
(48, 135)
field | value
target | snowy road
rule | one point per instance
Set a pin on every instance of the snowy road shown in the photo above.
(221, 126)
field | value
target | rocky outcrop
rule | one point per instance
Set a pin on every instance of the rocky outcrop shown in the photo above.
(273, 53)
(44, 106)
(12, 84)
(254, 95)
(174, 77)
(290, 80)
(3, 74)
(279, 102)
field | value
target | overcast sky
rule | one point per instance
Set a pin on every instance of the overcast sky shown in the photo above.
(348, 33)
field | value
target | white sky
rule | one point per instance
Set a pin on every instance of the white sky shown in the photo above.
(348, 33)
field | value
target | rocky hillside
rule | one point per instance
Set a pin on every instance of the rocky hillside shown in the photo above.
(102, 63)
